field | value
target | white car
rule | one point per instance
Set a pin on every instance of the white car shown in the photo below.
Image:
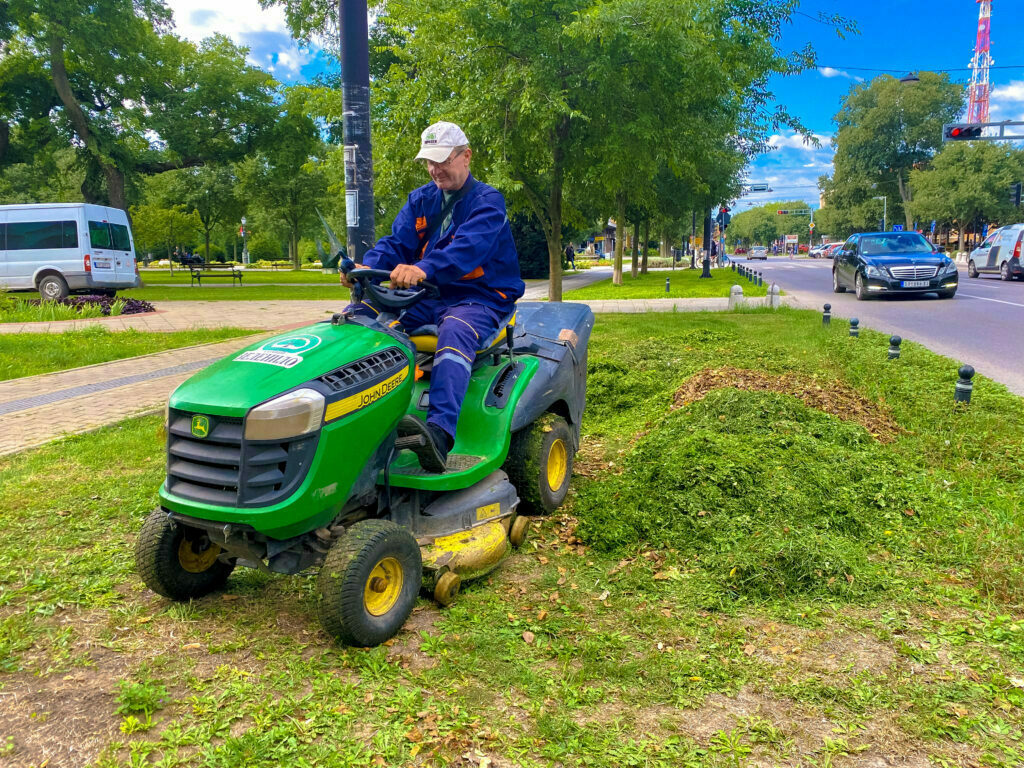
(999, 254)
(818, 251)
(60, 248)
(758, 252)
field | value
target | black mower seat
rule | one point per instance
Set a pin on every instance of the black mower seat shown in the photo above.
(424, 338)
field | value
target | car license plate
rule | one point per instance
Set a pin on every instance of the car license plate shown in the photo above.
(914, 283)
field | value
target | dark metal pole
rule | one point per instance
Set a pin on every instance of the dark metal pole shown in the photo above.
(706, 272)
(355, 96)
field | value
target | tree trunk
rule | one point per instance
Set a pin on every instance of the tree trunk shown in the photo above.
(906, 196)
(293, 249)
(634, 268)
(643, 246)
(206, 234)
(80, 123)
(620, 233)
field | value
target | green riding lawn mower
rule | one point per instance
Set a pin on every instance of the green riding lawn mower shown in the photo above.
(286, 456)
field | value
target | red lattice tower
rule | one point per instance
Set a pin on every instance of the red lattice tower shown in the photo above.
(978, 90)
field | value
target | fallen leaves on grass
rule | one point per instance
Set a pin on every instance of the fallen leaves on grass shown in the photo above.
(832, 397)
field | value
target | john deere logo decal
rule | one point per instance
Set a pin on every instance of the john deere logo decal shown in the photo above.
(200, 426)
(284, 351)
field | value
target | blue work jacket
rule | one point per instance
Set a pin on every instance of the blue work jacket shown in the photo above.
(474, 261)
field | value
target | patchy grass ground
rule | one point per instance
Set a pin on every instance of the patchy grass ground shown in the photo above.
(621, 635)
(28, 354)
(683, 284)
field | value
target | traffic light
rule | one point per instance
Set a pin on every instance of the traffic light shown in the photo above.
(962, 132)
(1015, 190)
(780, 213)
(723, 217)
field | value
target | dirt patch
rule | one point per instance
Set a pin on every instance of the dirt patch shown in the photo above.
(832, 397)
(59, 720)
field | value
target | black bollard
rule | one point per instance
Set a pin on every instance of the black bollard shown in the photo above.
(826, 317)
(759, 282)
(894, 347)
(733, 265)
(964, 385)
(666, 285)
(855, 327)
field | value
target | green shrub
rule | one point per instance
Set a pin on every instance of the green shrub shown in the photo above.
(264, 247)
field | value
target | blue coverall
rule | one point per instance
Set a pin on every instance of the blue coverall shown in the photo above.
(474, 263)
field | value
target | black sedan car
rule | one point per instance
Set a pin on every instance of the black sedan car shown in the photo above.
(875, 263)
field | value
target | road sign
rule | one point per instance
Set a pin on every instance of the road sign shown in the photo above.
(933, 226)
(984, 231)
(792, 239)
(811, 226)
(759, 188)
(897, 227)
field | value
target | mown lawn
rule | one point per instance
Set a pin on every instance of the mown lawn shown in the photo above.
(683, 284)
(28, 354)
(739, 578)
(250, 277)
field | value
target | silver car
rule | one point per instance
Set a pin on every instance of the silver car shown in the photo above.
(758, 252)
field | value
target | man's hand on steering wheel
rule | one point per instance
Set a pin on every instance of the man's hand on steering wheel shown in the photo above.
(407, 276)
(344, 279)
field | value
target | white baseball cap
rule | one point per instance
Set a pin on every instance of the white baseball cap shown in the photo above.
(438, 141)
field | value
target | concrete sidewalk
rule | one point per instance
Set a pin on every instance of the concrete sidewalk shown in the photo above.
(37, 409)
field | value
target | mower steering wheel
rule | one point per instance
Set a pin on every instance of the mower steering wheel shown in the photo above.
(390, 298)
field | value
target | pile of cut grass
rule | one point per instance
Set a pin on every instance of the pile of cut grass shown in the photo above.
(764, 496)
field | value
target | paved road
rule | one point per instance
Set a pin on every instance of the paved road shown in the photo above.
(983, 325)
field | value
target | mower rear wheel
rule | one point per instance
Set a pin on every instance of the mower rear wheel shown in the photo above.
(368, 583)
(177, 561)
(539, 464)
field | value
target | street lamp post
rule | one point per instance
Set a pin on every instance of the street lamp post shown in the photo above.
(245, 241)
(885, 206)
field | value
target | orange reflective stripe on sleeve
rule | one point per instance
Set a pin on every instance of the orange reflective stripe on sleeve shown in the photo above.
(500, 293)
(421, 223)
(478, 272)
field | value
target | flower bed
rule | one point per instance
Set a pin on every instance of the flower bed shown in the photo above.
(18, 310)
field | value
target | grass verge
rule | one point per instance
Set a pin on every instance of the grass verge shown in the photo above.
(28, 354)
(154, 277)
(683, 284)
(619, 636)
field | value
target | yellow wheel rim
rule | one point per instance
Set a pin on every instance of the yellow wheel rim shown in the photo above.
(557, 464)
(383, 587)
(197, 562)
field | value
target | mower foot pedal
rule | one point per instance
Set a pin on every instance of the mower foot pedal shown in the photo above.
(410, 442)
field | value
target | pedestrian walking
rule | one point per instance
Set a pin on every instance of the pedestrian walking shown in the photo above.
(570, 256)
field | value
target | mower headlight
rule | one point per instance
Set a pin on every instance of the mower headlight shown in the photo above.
(290, 415)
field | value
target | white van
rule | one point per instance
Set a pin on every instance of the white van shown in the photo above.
(999, 254)
(59, 248)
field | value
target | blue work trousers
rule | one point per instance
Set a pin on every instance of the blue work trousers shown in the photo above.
(461, 331)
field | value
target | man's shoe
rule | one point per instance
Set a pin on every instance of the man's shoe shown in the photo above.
(429, 442)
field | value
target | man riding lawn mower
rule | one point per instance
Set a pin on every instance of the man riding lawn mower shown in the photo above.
(320, 447)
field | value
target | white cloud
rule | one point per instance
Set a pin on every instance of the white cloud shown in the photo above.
(264, 32)
(796, 141)
(833, 72)
(1013, 91)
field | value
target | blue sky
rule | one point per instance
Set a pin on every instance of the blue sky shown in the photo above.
(900, 35)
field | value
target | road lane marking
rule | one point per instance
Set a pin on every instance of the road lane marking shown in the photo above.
(985, 298)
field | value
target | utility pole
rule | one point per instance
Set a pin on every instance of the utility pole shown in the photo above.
(706, 264)
(355, 98)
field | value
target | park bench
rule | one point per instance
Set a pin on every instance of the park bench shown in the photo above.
(200, 271)
(275, 265)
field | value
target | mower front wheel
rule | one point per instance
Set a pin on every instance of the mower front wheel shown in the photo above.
(368, 583)
(539, 464)
(178, 562)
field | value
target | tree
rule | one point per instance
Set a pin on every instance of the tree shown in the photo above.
(209, 192)
(886, 129)
(968, 183)
(158, 227)
(132, 99)
(287, 181)
(568, 100)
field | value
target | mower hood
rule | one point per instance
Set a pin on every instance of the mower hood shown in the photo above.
(276, 365)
